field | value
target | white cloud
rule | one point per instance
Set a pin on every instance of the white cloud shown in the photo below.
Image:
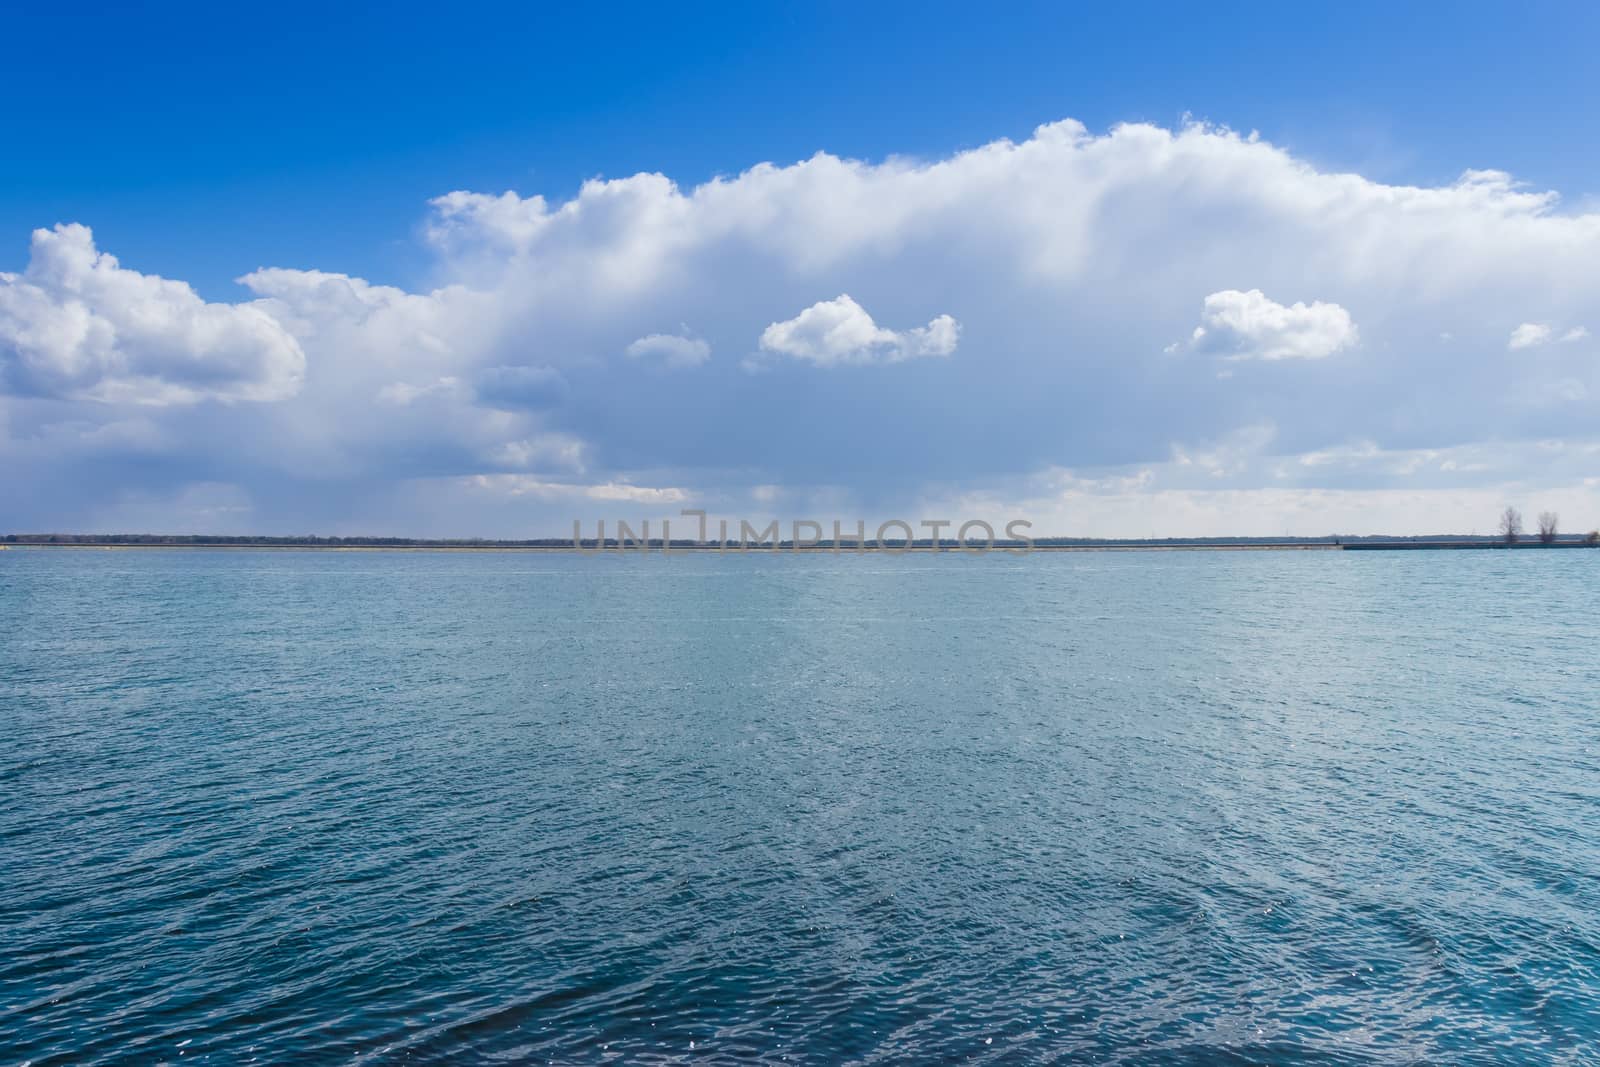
(673, 350)
(1358, 488)
(840, 331)
(543, 451)
(1228, 456)
(1528, 334)
(402, 394)
(1070, 257)
(1531, 334)
(1355, 453)
(1248, 325)
(76, 324)
(524, 485)
(1275, 512)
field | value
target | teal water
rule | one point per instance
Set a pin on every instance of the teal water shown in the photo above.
(1256, 807)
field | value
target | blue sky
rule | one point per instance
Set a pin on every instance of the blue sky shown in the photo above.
(200, 144)
(203, 142)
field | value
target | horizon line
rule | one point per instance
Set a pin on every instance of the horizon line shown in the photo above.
(890, 545)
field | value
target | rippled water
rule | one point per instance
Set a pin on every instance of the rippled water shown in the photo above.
(1168, 807)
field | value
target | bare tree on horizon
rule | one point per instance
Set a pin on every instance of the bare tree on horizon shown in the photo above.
(1547, 526)
(1511, 525)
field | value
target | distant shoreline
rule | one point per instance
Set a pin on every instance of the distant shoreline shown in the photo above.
(135, 542)
(633, 550)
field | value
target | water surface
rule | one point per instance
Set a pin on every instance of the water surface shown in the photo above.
(1298, 807)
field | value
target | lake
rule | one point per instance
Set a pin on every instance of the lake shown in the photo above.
(1155, 807)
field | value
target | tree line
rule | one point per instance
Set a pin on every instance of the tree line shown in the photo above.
(1549, 524)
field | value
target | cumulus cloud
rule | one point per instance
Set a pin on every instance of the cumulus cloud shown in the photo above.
(1070, 257)
(76, 324)
(1249, 325)
(837, 331)
(1529, 334)
(673, 350)
(1533, 334)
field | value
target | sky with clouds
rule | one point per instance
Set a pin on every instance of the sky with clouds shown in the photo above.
(1132, 329)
